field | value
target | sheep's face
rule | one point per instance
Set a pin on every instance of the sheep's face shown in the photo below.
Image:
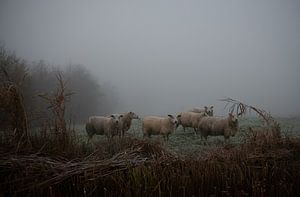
(210, 111)
(234, 124)
(178, 120)
(116, 118)
(206, 109)
(173, 120)
(133, 115)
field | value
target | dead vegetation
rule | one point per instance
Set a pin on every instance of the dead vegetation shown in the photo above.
(57, 105)
(13, 119)
(147, 168)
(272, 127)
(58, 164)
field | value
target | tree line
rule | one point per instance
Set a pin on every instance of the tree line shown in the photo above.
(89, 96)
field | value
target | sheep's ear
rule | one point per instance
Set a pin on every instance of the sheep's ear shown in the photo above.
(131, 112)
(112, 116)
(170, 116)
(230, 115)
(205, 107)
(121, 116)
(179, 115)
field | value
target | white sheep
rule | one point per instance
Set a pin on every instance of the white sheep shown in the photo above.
(215, 126)
(196, 118)
(101, 125)
(190, 119)
(154, 125)
(209, 111)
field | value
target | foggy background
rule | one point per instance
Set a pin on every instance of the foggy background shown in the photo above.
(165, 56)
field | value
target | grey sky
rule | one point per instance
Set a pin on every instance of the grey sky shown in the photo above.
(165, 55)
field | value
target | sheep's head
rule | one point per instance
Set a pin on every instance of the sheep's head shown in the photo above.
(206, 109)
(173, 120)
(210, 111)
(133, 115)
(116, 118)
(178, 120)
(233, 124)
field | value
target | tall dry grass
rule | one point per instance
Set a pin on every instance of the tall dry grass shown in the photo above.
(133, 167)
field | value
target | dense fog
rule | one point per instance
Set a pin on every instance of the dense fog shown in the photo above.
(158, 57)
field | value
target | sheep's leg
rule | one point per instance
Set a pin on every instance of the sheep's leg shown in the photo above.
(108, 135)
(226, 135)
(226, 139)
(89, 139)
(195, 131)
(205, 142)
(164, 136)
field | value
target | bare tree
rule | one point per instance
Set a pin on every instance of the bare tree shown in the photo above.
(241, 109)
(57, 105)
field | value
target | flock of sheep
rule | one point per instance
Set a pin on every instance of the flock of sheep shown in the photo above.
(201, 120)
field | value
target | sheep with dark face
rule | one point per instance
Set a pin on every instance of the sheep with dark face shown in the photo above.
(216, 126)
(101, 125)
(154, 125)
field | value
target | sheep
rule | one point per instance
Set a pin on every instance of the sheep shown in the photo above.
(209, 111)
(184, 119)
(154, 125)
(125, 123)
(215, 126)
(196, 118)
(101, 125)
(190, 119)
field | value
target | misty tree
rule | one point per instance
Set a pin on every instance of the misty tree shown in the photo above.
(110, 100)
(13, 69)
(87, 95)
(41, 80)
(13, 84)
(89, 98)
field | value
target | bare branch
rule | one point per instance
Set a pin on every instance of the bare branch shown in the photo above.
(241, 109)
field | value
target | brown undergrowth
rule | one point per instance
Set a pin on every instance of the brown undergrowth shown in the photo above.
(135, 167)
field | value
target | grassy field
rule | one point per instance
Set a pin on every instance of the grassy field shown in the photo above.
(187, 142)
